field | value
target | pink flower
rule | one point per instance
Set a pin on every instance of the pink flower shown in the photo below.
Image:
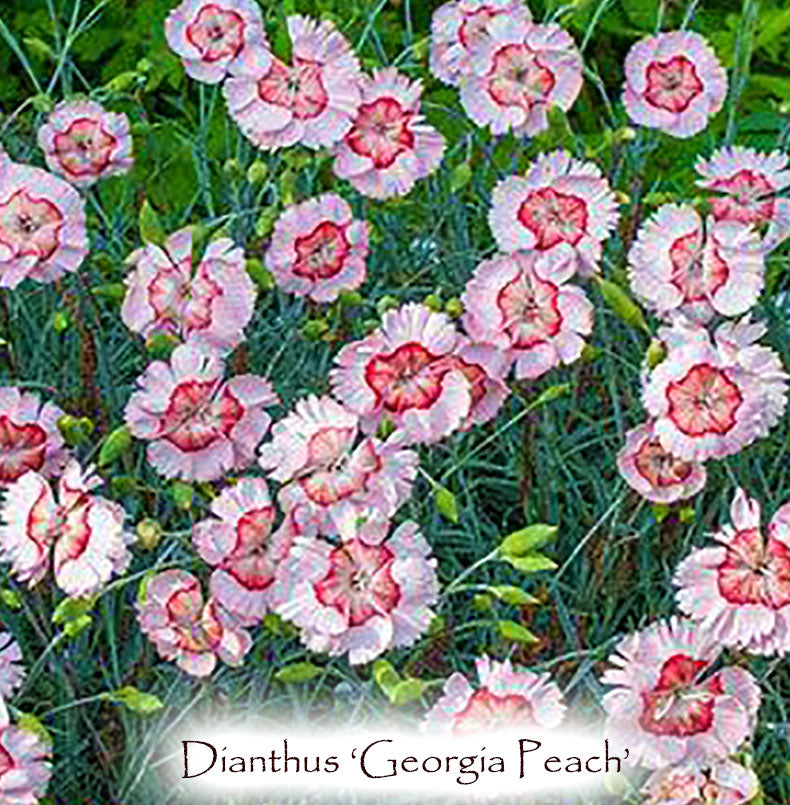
(318, 249)
(748, 182)
(11, 671)
(184, 629)
(673, 82)
(561, 204)
(313, 453)
(312, 101)
(517, 72)
(485, 368)
(29, 436)
(370, 593)
(42, 225)
(83, 142)
(506, 698)
(713, 396)
(679, 262)
(210, 304)
(238, 542)
(24, 764)
(213, 36)
(458, 27)
(657, 475)
(522, 303)
(723, 782)
(667, 707)
(83, 531)
(406, 371)
(199, 426)
(390, 146)
(740, 589)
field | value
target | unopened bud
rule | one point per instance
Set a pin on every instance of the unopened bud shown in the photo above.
(149, 533)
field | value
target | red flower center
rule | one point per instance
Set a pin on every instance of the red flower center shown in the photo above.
(530, 310)
(755, 572)
(30, 225)
(658, 467)
(680, 705)
(696, 278)
(673, 84)
(409, 377)
(217, 33)
(485, 711)
(359, 583)
(704, 402)
(22, 448)
(746, 198)
(382, 132)
(196, 417)
(249, 563)
(322, 253)
(85, 148)
(518, 78)
(77, 533)
(299, 88)
(6, 761)
(554, 217)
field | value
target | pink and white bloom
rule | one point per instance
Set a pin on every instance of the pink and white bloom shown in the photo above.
(518, 71)
(210, 303)
(506, 698)
(24, 763)
(184, 629)
(42, 225)
(315, 454)
(654, 473)
(700, 268)
(711, 397)
(372, 592)
(83, 142)
(77, 532)
(318, 249)
(673, 82)
(11, 670)
(458, 27)
(389, 146)
(406, 371)
(748, 183)
(723, 782)
(667, 707)
(739, 590)
(485, 367)
(240, 543)
(29, 436)
(522, 303)
(213, 36)
(198, 425)
(312, 101)
(561, 204)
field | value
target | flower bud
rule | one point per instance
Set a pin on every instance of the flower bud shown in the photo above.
(149, 533)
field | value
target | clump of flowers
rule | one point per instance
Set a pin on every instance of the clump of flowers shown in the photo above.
(210, 303)
(673, 82)
(318, 249)
(83, 142)
(389, 146)
(198, 425)
(739, 590)
(184, 629)
(506, 698)
(723, 782)
(311, 101)
(79, 534)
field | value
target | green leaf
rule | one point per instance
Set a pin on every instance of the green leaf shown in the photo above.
(686, 514)
(558, 133)
(407, 691)
(115, 445)
(446, 503)
(514, 596)
(136, 701)
(60, 321)
(386, 677)
(260, 275)
(622, 305)
(78, 625)
(160, 346)
(11, 598)
(552, 393)
(29, 723)
(151, 229)
(524, 541)
(660, 512)
(533, 563)
(70, 609)
(75, 431)
(298, 672)
(460, 177)
(183, 494)
(114, 291)
(265, 222)
(515, 632)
